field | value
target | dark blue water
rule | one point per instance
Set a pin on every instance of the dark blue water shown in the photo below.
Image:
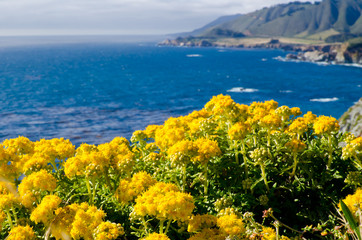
(95, 92)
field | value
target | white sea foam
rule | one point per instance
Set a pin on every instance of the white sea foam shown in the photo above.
(285, 91)
(193, 55)
(324, 99)
(242, 90)
(264, 59)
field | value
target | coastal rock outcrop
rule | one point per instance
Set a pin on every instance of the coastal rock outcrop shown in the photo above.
(351, 121)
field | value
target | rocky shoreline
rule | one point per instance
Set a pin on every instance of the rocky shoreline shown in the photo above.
(326, 53)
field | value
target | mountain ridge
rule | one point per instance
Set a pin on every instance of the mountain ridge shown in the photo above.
(295, 19)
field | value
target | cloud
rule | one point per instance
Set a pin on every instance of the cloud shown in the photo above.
(128, 16)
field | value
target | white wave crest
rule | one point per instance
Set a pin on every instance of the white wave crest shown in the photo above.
(285, 91)
(242, 90)
(193, 55)
(324, 99)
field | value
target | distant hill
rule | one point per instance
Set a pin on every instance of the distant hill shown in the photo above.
(329, 20)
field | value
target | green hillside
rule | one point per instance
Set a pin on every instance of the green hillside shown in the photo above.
(296, 19)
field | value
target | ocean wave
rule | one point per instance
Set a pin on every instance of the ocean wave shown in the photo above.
(285, 91)
(242, 90)
(284, 59)
(193, 55)
(324, 99)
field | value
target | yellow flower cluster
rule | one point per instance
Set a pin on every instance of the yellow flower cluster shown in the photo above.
(182, 152)
(210, 234)
(164, 201)
(21, 156)
(199, 222)
(33, 185)
(207, 149)
(44, 212)
(78, 221)
(86, 163)
(239, 130)
(7, 195)
(129, 189)
(173, 131)
(295, 145)
(269, 233)
(221, 105)
(353, 148)
(108, 231)
(325, 125)
(156, 236)
(231, 225)
(21, 233)
(354, 202)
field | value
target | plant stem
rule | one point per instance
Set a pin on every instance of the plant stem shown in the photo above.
(245, 159)
(263, 175)
(330, 152)
(161, 226)
(184, 176)
(89, 191)
(168, 226)
(294, 164)
(14, 213)
(206, 183)
(9, 219)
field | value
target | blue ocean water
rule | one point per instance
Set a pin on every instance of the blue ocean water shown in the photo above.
(93, 92)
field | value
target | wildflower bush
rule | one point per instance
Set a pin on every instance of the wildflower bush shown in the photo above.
(227, 171)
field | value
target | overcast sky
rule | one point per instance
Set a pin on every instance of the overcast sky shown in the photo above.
(49, 17)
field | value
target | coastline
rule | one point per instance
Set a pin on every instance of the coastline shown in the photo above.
(304, 50)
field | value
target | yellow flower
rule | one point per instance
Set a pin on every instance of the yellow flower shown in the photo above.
(21, 233)
(209, 234)
(310, 117)
(268, 233)
(139, 136)
(325, 125)
(128, 190)
(173, 131)
(2, 218)
(222, 106)
(295, 145)
(239, 130)
(77, 221)
(108, 231)
(231, 224)
(207, 149)
(164, 201)
(199, 222)
(32, 185)
(8, 195)
(88, 163)
(44, 212)
(271, 121)
(56, 148)
(354, 202)
(182, 152)
(18, 146)
(298, 126)
(35, 162)
(156, 236)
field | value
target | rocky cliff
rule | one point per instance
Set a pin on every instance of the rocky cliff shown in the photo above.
(351, 121)
(331, 53)
(337, 53)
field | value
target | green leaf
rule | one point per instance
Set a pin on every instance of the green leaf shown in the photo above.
(349, 217)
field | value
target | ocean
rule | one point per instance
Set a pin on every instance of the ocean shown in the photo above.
(94, 91)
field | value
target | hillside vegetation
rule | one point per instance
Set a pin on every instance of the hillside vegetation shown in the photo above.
(302, 20)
